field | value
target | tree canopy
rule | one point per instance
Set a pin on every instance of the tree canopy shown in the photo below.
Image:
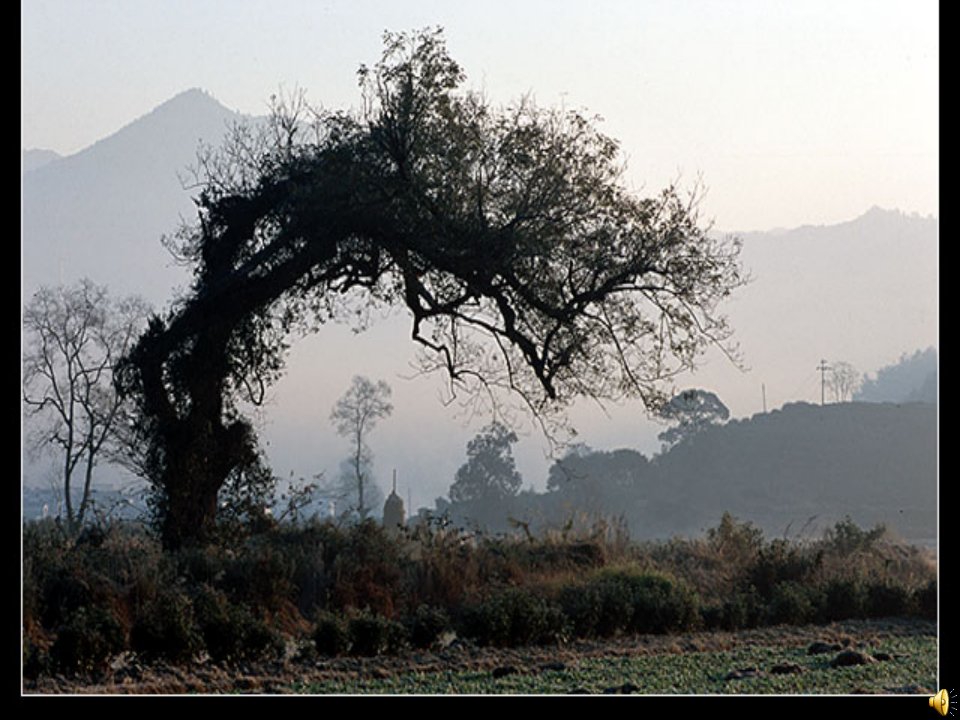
(508, 234)
(490, 473)
(693, 411)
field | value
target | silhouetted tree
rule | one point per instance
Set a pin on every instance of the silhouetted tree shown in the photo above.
(354, 416)
(692, 411)
(524, 262)
(490, 474)
(843, 381)
(73, 338)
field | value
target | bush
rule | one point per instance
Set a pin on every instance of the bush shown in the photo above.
(87, 640)
(512, 617)
(375, 635)
(792, 603)
(843, 600)
(166, 628)
(777, 563)
(581, 605)
(260, 576)
(425, 626)
(661, 604)
(885, 600)
(36, 662)
(331, 635)
(62, 595)
(624, 600)
(743, 610)
(232, 632)
(846, 537)
(925, 601)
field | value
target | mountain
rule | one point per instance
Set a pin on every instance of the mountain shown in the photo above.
(37, 157)
(863, 291)
(102, 211)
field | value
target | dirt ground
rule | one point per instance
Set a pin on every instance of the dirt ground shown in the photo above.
(128, 676)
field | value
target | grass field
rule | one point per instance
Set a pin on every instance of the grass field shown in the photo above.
(912, 665)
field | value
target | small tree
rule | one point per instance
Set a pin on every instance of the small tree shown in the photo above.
(843, 381)
(490, 473)
(73, 338)
(693, 411)
(354, 416)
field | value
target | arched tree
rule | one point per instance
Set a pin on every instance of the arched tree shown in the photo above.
(692, 411)
(507, 233)
(490, 473)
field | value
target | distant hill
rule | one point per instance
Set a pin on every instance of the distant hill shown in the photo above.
(102, 211)
(35, 158)
(794, 472)
(863, 292)
(875, 462)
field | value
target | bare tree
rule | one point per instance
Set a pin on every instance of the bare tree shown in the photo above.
(844, 381)
(354, 416)
(73, 337)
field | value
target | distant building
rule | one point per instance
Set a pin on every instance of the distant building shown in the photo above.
(394, 516)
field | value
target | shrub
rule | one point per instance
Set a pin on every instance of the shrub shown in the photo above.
(374, 634)
(742, 610)
(846, 537)
(331, 635)
(777, 563)
(581, 605)
(259, 576)
(925, 601)
(843, 600)
(426, 624)
(62, 595)
(792, 603)
(515, 616)
(166, 629)
(36, 662)
(87, 640)
(232, 632)
(884, 600)
(625, 600)
(661, 604)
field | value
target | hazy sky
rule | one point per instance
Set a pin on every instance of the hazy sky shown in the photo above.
(792, 112)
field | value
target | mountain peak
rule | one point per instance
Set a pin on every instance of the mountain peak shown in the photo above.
(192, 96)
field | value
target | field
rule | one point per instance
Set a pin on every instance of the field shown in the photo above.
(773, 660)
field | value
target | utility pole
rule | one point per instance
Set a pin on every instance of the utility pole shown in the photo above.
(763, 389)
(823, 367)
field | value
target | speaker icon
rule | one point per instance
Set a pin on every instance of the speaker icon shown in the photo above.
(940, 702)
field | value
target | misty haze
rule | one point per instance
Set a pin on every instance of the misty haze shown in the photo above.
(427, 372)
